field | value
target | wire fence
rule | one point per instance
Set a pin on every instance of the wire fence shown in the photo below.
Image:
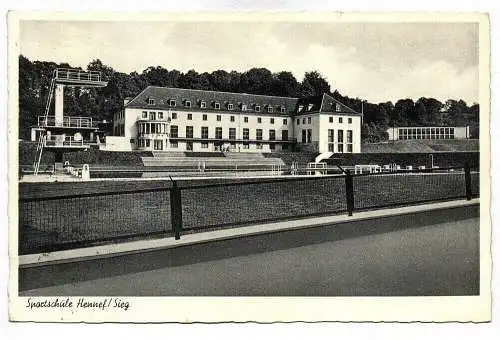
(84, 219)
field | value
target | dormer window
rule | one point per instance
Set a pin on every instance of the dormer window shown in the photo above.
(217, 106)
(187, 103)
(230, 106)
(269, 109)
(300, 108)
(151, 101)
(203, 104)
(172, 103)
(309, 108)
(257, 108)
(338, 108)
(282, 109)
(243, 107)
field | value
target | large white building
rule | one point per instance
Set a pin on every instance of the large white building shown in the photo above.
(175, 119)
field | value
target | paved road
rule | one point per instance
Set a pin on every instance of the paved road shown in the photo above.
(433, 259)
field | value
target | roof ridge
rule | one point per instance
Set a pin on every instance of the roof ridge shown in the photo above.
(238, 93)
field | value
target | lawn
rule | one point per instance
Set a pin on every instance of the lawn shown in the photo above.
(80, 220)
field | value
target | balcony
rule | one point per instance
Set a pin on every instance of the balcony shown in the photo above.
(73, 76)
(67, 122)
(165, 119)
(59, 141)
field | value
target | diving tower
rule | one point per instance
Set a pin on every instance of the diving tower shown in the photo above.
(60, 133)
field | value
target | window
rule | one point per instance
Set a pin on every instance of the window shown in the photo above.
(245, 119)
(298, 121)
(309, 108)
(285, 122)
(204, 132)
(232, 118)
(158, 144)
(340, 136)
(338, 108)
(243, 107)
(284, 134)
(349, 120)
(151, 101)
(258, 146)
(304, 120)
(204, 117)
(218, 133)
(172, 103)
(204, 145)
(203, 104)
(272, 120)
(309, 135)
(246, 133)
(330, 136)
(217, 106)
(160, 115)
(300, 108)
(340, 120)
(152, 116)
(269, 109)
(259, 120)
(246, 145)
(349, 147)
(349, 136)
(304, 136)
(190, 116)
(174, 115)
(189, 146)
(330, 147)
(145, 114)
(174, 144)
(189, 132)
(187, 103)
(148, 143)
(257, 108)
(330, 119)
(232, 133)
(340, 148)
(308, 120)
(282, 109)
(258, 134)
(218, 118)
(272, 146)
(230, 106)
(272, 135)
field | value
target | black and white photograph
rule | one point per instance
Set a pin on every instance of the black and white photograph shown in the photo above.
(250, 167)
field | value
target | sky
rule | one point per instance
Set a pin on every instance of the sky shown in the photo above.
(377, 62)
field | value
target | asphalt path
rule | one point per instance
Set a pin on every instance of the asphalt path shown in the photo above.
(434, 256)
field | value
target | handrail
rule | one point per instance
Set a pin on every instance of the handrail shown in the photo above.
(75, 74)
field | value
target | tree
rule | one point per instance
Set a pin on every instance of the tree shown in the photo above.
(313, 84)
(284, 84)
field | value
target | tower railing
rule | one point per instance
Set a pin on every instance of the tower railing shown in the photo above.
(68, 121)
(77, 75)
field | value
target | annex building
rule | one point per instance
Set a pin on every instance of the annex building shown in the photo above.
(175, 119)
(428, 132)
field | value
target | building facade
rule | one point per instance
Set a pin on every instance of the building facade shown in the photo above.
(428, 132)
(173, 119)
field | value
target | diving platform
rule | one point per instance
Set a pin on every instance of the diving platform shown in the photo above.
(71, 77)
(66, 122)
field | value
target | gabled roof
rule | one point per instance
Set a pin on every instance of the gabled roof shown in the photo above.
(162, 97)
(323, 103)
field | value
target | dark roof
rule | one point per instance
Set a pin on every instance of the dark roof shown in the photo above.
(163, 96)
(323, 103)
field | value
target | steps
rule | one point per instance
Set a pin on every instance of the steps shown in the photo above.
(229, 160)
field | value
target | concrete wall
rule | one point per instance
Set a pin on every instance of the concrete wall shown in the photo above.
(116, 143)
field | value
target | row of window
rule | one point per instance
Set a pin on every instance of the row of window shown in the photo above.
(330, 119)
(340, 147)
(217, 105)
(159, 116)
(158, 144)
(426, 133)
(309, 107)
(174, 133)
(340, 136)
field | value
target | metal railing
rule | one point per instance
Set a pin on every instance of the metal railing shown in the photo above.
(70, 219)
(68, 121)
(77, 75)
(67, 141)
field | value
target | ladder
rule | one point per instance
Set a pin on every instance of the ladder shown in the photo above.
(43, 134)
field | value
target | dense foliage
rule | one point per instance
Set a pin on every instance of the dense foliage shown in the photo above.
(103, 103)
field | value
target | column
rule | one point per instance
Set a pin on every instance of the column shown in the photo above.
(59, 108)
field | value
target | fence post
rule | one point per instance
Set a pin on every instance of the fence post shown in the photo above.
(468, 186)
(176, 210)
(349, 192)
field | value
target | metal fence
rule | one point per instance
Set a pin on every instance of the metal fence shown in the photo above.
(85, 219)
